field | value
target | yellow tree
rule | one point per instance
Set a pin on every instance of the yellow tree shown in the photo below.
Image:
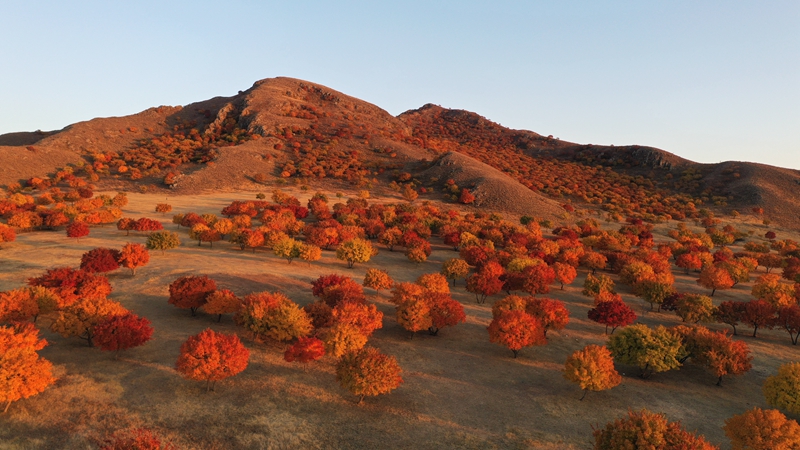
(355, 250)
(454, 269)
(343, 338)
(23, 373)
(592, 368)
(783, 390)
(377, 279)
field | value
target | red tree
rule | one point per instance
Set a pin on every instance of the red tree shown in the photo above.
(211, 356)
(77, 230)
(759, 314)
(614, 313)
(538, 279)
(731, 313)
(789, 320)
(122, 332)
(552, 313)
(100, 260)
(486, 281)
(306, 349)
(145, 224)
(71, 284)
(191, 291)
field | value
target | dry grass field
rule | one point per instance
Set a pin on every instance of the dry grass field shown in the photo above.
(459, 390)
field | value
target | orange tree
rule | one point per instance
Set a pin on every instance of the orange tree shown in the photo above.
(762, 429)
(368, 372)
(133, 256)
(646, 430)
(23, 373)
(592, 368)
(516, 330)
(211, 356)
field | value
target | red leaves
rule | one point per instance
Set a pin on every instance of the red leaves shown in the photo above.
(77, 230)
(614, 313)
(122, 332)
(306, 349)
(191, 291)
(100, 260)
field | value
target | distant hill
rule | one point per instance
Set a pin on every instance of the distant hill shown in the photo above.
(289, 128)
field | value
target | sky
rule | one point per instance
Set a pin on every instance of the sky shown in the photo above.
(709, 81)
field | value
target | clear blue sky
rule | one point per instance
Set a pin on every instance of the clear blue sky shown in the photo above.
(709, 81)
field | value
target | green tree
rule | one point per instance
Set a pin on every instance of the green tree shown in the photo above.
(163, 240)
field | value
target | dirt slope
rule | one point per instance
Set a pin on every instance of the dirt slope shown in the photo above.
(492, 189)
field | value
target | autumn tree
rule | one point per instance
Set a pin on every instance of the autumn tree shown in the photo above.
(770, 288)
(378, 279)
(596, 284)
(222, 302)
(80, 318)
(77, 230)
(783, 389)
(444, 311)
(516, 330)
(19, 305)
(133, 256)
(592, 369)
(342, 339)
(414, 315)
(362, 315)
(593, 260)
(211, 356)
(551, 313)
(355, 251)
(305, 350)
(100, 260)
(731, 313)
(334, 288)
(320, 313)
(565, 273)
(466, 197)
(69, 285)
(163, 208)
(646, 430)
(454, 269)
(418, 251)
(715, 350)
(309, 253)
(368, 372)
(23, 373)
(486, 281)
(759, 314)
(714, 277)
(652, 350)
(163, 240)
(191, 291)
(273, 315)
(789, 320)
(7, 234)
(287, 248)
(121, 332)
(695, 308)
(612, 314)
(538, 278)
(762, 429)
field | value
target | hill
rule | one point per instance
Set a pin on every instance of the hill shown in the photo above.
(289, 130)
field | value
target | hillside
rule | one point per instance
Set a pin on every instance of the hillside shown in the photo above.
(296, 131)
